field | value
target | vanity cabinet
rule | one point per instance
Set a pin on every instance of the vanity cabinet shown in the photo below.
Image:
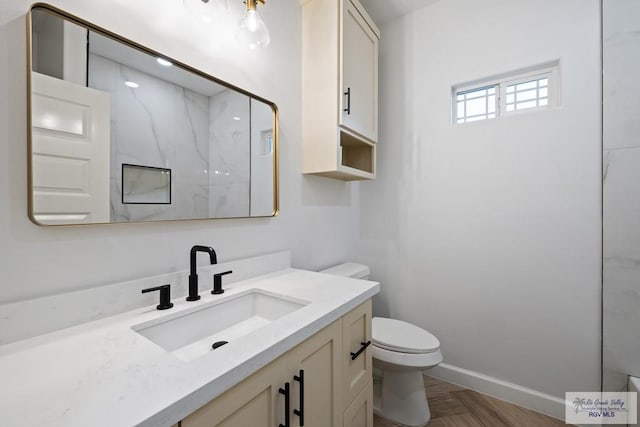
(315, 367)
(253, 402)
(339, 89)
(360, 412)
(356, 335)
(317, 380)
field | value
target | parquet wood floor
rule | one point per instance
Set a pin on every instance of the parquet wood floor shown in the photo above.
(454, 406)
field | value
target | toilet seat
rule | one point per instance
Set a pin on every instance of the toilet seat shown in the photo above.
(396, 360)
(403, 337)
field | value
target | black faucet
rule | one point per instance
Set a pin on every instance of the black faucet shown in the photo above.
(193, 277)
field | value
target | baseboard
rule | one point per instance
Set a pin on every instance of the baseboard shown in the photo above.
(503, 390)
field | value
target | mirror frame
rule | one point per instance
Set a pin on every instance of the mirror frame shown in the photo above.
(116, 37)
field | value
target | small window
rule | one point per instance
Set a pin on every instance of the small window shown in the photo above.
(508, 94)
(476, 104)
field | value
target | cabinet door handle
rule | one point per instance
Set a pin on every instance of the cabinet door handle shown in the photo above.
(287, 408)
(300, 412)
(363, 347)
(348, 95)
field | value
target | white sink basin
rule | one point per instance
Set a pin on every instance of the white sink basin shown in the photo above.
(191, 333)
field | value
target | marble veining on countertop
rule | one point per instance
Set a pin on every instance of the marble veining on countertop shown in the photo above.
(103, 373)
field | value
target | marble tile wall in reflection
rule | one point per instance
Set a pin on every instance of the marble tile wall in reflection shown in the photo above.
(229, 174)
(262, 162)
(161, 125)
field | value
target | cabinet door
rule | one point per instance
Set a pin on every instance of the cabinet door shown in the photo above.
(254, 402)
(356, 330)
(359, 82)
(316, 390)
(360, 412)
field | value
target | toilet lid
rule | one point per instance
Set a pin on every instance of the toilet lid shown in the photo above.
(396, 335)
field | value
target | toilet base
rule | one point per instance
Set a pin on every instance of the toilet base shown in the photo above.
(400, 397)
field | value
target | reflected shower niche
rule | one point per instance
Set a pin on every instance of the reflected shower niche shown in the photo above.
(145, 185)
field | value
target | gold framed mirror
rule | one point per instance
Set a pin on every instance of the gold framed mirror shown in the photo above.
(121, 133)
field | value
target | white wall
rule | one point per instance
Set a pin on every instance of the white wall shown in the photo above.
(318, 218)
(621, 180)
(488, 234)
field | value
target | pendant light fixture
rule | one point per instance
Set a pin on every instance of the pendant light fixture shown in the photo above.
(252, 31)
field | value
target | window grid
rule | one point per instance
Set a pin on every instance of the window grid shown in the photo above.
(527, 94)
(476, 104)
(535, 90)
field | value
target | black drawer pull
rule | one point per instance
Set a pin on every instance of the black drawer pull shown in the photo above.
(300, 412)
(286, 392)
(363, 347)
(348, 95)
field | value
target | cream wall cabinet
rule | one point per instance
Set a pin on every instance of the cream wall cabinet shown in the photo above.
(339, 89)
(359, 82)
(317, 383)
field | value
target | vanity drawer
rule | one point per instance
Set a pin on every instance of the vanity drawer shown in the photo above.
(356, 342)
(360, 412)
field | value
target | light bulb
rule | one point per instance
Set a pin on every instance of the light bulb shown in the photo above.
(252, 20)
(252, 31)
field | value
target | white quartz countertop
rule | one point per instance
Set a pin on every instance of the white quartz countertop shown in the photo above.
(104, 373)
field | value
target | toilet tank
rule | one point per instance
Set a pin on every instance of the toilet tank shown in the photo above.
(349, 269)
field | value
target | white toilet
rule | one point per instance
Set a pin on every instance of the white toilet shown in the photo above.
(400, 351)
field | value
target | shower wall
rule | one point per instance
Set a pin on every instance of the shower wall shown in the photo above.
(158, 124)
(229, 155)
(621, 192)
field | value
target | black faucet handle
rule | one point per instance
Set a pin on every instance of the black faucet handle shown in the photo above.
(165, 296)
(217, 282)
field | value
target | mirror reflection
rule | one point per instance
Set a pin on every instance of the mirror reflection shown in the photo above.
(119, 134)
